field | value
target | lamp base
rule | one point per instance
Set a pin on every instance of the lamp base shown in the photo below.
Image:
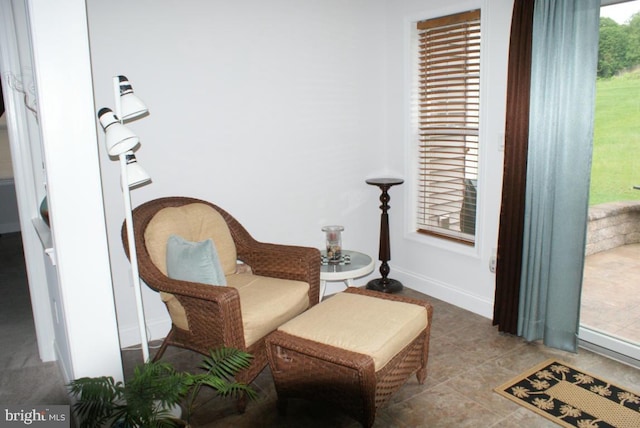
(385, 285)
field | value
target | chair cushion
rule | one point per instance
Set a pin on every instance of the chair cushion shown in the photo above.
(194, 261)
(176, 310)
(194, 222)
(267, 302)
(367, 325)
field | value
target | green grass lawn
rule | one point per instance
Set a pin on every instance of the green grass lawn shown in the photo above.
(616, 147)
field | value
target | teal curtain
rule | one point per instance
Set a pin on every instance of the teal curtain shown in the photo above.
(563, 74)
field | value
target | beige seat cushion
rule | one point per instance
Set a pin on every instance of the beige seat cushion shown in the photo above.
(193, 222)
(367, 325)
(267, 302)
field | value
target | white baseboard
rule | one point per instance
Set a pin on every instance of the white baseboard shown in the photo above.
(64, 369)
(156, 329)
(445, 292)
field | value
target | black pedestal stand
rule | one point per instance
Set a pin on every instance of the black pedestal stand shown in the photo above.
(384, 284)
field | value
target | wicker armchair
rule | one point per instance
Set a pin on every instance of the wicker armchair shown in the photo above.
(213, 315)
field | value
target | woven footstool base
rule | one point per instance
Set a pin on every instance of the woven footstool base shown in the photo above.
(303, 368)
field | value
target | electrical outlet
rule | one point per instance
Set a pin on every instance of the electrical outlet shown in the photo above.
(493, 260)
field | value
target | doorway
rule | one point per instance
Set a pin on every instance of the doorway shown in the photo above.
(610, 304)
(27, 177)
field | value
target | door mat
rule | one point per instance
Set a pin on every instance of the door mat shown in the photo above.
(572, 397)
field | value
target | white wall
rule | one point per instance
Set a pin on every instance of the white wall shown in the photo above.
(278, 111)
(273, 110)
(452, 272)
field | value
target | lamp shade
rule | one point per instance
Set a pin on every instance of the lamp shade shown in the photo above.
(119, 138)
(131, 106)
(136, 175)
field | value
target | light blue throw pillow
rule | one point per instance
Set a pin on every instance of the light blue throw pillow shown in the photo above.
(194, 261)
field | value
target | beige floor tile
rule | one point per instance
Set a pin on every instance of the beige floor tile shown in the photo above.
(478, 385)
(444, 407)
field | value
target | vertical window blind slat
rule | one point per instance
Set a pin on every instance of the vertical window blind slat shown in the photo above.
(448, 124)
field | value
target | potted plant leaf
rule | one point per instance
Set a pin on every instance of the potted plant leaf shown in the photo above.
(146, 400)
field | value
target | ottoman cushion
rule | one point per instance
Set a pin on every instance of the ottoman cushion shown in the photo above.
(367, 325)
(267, 302)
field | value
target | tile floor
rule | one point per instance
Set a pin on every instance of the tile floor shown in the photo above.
(468, 358)
(24, 378)
(611, 292)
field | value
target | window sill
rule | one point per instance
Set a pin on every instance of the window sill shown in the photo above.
(444, 244)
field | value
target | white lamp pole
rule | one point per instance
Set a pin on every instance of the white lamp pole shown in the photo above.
(133, 257)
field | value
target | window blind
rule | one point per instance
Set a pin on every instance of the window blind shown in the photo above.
(448, 111)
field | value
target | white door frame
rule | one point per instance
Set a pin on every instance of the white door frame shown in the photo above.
(20, 127)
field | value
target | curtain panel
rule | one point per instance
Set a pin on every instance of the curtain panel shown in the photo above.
(563, 75)
(1, 100)
(509, 255)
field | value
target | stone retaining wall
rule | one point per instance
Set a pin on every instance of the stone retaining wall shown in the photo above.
(612, 225)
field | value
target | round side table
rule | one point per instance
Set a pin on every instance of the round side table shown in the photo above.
(359, 264)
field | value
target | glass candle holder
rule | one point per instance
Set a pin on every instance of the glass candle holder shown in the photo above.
(334, 242)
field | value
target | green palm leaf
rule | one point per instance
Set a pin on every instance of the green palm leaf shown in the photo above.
(226, 362)
(97, 399)
(155, 387)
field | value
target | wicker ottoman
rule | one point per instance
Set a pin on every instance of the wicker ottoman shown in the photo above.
(353, 350)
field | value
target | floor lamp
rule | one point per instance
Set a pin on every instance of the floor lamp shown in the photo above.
(120, 142)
